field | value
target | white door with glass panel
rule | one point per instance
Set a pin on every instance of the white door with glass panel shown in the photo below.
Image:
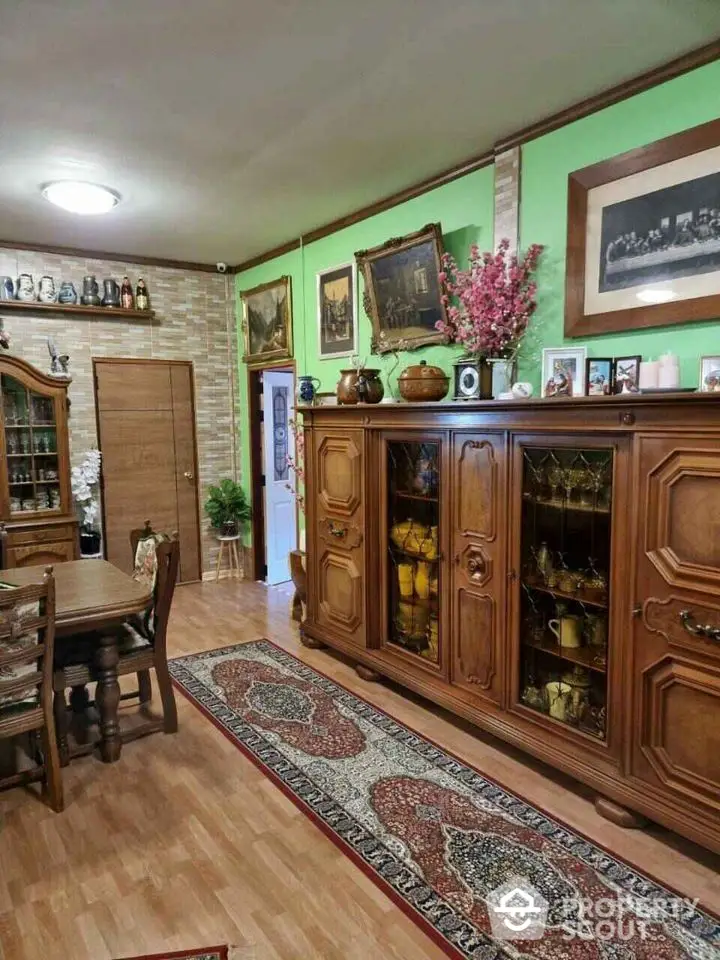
(278, 442)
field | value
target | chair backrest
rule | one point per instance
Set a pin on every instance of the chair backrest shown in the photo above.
(156, 558)
(27, 640)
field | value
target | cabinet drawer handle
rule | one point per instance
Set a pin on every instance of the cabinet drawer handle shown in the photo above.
(336, 530)
(696, 629)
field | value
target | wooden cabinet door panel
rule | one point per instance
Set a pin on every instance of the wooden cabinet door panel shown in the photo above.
(340, 592)
(478, 484)
(335, 537)
(676, 720)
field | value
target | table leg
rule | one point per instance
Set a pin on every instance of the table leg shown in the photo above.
(107, 697)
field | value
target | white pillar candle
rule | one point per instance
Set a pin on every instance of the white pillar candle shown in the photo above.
(649, 374)
(669, 373)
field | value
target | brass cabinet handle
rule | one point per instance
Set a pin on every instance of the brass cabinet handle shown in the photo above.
(189, 475)
(696, 629)
(336, 529)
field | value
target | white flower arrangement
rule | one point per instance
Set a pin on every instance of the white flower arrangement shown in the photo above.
(82, 480)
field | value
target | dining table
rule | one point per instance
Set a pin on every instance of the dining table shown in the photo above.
(92, 596)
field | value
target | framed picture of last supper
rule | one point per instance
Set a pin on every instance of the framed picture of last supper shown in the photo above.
(644, 236)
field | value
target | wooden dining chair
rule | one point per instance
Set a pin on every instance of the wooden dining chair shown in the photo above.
(27, 640)
(141, 642)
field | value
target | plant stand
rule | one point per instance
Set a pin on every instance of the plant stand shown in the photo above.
(298, 572)
(229, 545)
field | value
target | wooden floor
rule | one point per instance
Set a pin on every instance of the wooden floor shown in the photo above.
(184, 842)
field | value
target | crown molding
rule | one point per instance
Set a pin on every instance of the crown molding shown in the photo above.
(622, 91)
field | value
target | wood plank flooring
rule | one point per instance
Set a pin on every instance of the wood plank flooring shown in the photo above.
(184, 842)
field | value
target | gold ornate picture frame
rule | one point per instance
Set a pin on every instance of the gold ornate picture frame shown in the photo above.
(267, 322)
(402, 294)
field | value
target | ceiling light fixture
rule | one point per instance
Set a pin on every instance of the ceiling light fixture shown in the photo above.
(651, 295)
(76, 196)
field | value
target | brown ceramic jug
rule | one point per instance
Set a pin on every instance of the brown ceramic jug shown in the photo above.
(360, 386)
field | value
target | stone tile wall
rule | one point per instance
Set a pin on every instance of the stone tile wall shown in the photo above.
(194, 320)
(507, 196)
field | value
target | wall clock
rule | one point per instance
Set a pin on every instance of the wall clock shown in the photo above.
(468, 379)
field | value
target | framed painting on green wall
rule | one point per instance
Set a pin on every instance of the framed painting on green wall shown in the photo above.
(644, 237)
(337, 313)
(267, 321)
(402, 291)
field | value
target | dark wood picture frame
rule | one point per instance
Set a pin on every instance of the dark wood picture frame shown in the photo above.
(589, 361)
(385, 337)
(636, 359)
(580, 182)
(271, 354)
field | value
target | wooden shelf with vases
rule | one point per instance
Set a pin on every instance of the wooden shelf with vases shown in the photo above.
(110, 313)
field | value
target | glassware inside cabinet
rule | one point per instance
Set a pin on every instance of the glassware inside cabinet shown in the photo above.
(31, 449)
(413, 567)
(564, 591)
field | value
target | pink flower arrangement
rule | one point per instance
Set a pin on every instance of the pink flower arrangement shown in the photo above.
(489, 305)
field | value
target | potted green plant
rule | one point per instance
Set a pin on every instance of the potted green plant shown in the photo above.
(227, 508)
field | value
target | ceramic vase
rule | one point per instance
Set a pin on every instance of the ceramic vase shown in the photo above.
(47, 291)
(68, 293)
(306, 388)
(7, 288)
(25, 290)
(90, 295)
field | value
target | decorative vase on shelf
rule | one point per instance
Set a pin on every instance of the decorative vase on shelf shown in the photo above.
(7, 288)
(307, 390)
(111, 293)
(91, 292)
(25, 289)
(47, 291)
(68, 293)
(502, 375)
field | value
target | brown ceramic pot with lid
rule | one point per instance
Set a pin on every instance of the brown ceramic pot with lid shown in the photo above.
(420, 382)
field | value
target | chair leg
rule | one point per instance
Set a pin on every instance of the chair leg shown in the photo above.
(144, 686)
(61, 726)
(167, 695)
(79, 699)
(53, 775)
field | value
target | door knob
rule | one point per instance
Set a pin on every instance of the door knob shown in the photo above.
(188, 475)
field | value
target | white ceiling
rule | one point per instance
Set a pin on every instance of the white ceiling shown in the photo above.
(230, 126)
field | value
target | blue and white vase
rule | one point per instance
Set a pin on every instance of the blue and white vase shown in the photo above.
(7, 288)
(68, 293)
(306, 388)
(25, 290)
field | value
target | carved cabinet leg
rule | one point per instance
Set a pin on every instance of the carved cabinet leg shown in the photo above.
(618, 815)
(107, 698)
(367, 673)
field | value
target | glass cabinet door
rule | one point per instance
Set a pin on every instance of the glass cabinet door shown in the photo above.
(413, 515)
(31, 450)
(564, 584)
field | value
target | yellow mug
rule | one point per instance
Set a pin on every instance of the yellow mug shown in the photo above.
(568, 630)
(405, 579)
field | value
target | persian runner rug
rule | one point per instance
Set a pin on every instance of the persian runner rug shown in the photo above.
(484, 873)
(203, 953)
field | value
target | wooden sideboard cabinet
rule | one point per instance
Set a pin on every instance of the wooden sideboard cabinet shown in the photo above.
(548, 569)
(35, 498)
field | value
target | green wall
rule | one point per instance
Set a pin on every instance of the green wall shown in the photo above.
(465, 210)
(546, 162)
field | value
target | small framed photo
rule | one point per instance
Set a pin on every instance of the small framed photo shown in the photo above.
(598, 376)
(709, 375)
(337, 312)
(564, 371)
(627, 374)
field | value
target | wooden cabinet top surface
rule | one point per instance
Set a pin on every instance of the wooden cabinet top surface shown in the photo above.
(621, 412)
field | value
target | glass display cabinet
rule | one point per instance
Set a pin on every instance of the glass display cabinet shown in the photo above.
(36, 504)
(564, 584)
(413, 555)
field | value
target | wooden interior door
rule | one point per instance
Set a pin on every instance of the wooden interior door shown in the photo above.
(146, 432)
(676, 724)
